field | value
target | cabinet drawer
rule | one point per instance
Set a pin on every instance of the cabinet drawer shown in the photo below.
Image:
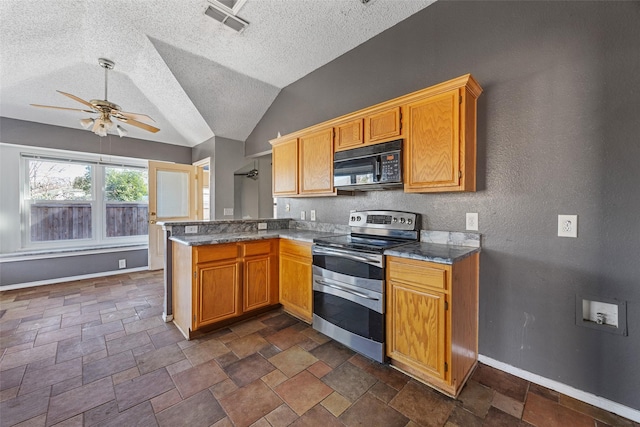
(290, 247)
(420, 273)
(256, 248)
(215, 252)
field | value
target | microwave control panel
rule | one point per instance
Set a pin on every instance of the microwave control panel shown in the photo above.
(391, 169)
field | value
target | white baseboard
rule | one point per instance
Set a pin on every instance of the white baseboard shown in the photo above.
(591, 399)
(69, 279)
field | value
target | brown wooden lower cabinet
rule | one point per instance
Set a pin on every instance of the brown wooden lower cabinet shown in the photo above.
(217, 283)
(432, 320)
(296, 293)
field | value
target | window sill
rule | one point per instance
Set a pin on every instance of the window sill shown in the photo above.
(30, 254)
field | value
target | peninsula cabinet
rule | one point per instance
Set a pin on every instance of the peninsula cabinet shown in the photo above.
(223, 282)
(296, 292)
(432, 320)
(259, 274)
(303, 166)
(440, 150)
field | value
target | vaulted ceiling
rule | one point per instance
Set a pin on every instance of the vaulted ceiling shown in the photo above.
(195, 76)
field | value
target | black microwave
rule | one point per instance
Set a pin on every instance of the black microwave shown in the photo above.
(375, 167)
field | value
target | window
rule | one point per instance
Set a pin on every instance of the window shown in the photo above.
(126, 202)
(78, 203)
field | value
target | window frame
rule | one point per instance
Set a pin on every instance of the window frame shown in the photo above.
(98, 203)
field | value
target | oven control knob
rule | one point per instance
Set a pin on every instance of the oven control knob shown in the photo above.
(359, 218)
(395, 219)
(402, 220)
(409, 221)
(353, 218)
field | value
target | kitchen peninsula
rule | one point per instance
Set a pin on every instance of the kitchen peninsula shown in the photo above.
(231, 270)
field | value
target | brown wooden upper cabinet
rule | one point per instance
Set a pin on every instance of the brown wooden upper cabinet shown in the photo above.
(285, 168)
(303, 166)
(349, 135)
(438, 125)
(383, 126)
(440, 149)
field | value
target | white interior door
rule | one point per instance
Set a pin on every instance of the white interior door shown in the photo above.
(172, 197)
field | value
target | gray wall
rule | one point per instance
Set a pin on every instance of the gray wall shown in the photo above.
(558, 132)
(39, 135)
(56, 268)
(227, 156)
(21, 132)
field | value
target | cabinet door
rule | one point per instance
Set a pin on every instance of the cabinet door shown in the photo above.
(384, 125)
(285, 168)
(416, 328)
(316, 162)
(218, 292)
(296, 294)
(433, 142)
(349, 135)
(257, 283)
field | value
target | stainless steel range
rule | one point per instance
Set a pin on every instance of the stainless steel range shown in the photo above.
(349, 278)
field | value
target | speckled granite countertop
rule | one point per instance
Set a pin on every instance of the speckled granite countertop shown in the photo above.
(434, 252)
(217, 238)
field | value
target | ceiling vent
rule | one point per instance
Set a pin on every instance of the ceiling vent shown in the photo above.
(224, 11)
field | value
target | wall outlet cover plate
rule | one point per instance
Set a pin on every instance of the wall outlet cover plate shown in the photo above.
(472, 221)
(568, 225)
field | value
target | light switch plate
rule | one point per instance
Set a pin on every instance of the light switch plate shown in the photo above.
(303, 215)
(262, 226)
(472, 221)
(568, 225)
(313, 215)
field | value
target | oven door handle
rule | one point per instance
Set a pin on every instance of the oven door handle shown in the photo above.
(327, 251)
(349, 291)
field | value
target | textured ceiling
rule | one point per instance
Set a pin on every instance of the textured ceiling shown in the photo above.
(194, 76)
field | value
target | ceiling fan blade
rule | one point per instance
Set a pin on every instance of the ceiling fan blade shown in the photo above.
(135, 116)
(136, 123)
(80, 100)
(62, 108)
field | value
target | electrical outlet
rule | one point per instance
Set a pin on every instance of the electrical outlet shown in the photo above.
(228, 211)
(122, 263)
(190, 229)
(313, 215)
(568, 225)
(262, 226)
(472, 221)
(303, 215)
(287, 207)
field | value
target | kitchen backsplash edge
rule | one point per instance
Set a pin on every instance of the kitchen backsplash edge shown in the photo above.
(455, 238)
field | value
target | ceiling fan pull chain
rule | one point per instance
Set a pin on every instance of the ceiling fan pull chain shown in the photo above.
(106, 76)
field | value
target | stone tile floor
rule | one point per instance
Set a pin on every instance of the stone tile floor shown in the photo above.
(96, 352)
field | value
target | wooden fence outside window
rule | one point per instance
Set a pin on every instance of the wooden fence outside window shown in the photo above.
(55, 221)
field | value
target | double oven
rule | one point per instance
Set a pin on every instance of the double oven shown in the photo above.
(349, 278)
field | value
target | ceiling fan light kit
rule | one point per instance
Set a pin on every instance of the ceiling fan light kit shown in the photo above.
(107, 110)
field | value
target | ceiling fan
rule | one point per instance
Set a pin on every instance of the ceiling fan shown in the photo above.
(106, 110)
